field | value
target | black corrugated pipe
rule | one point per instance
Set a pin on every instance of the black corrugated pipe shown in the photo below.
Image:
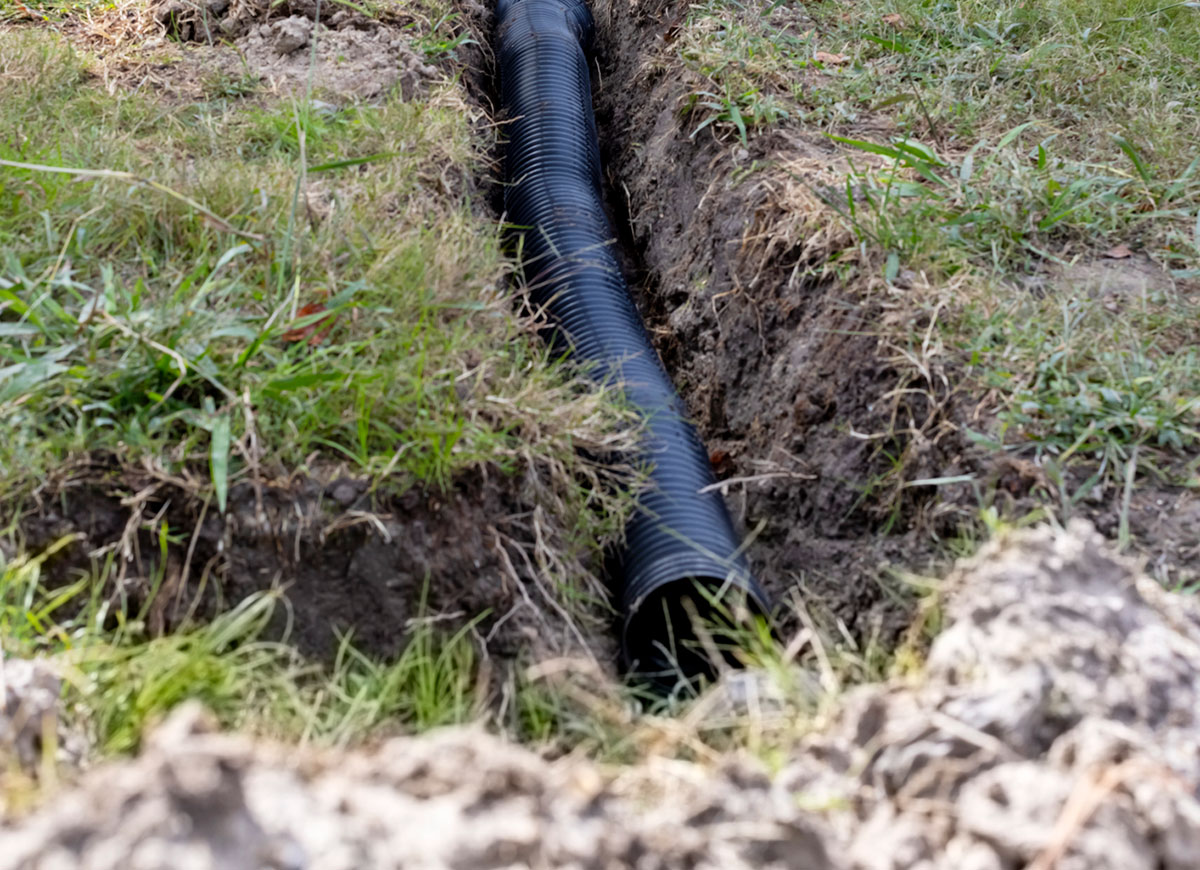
(680, 547)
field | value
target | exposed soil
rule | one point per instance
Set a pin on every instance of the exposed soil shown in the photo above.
(348, 560)
(183, 49)
(783, 362)
(1165, 521)
(1118, 281)
(349, 62)
(793, 355)
(1056, 727)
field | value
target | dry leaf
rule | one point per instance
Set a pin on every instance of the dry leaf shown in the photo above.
(1120, 252)
(894, 20)
(314, 332)
(722, 463)
(832, 59)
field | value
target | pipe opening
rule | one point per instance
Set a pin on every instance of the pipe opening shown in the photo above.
(688, 631)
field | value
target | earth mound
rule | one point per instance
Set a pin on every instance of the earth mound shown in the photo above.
(1055, 725)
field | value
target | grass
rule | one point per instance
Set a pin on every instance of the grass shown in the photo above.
(120, 677)
(231, 291)
(787, 685)
(994, 151)
(246, 285)
(345, 305)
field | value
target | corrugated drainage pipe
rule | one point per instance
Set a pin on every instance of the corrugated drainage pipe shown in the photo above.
(681, 556)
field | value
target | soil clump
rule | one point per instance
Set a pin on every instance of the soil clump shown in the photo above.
(1055, 725)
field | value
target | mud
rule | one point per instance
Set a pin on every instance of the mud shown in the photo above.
(1056, 727)
(348, 561)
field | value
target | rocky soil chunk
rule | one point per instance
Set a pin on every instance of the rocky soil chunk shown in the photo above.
(29, 700)
(1055, 728)
(460, 799)
(1057, 725)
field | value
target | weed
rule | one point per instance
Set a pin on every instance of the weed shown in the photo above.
(1063, 362)
(744, 111)
(223, 85)
(442, 41)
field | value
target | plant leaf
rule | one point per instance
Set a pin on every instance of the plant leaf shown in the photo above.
(218, 458)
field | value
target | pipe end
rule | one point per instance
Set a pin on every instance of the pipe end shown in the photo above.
(687, 631)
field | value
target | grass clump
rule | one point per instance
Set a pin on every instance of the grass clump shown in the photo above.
(274, 288)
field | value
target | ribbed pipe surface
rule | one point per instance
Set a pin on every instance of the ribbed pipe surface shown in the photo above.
(681, 535)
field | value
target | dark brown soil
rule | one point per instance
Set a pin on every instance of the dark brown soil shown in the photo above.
(799, 366)
(782, 361)
(348, 561)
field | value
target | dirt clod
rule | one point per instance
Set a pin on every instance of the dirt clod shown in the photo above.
(29, 693)
(291, 34)
(1058, 719)
(1056, 726)
(349, 62)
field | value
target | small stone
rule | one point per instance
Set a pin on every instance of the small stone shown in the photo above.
(344, 491)
(29, 699)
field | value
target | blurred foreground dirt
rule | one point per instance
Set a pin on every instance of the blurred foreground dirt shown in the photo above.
(1055, 727)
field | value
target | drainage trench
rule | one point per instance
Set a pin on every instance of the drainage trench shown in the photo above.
(682, 561)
